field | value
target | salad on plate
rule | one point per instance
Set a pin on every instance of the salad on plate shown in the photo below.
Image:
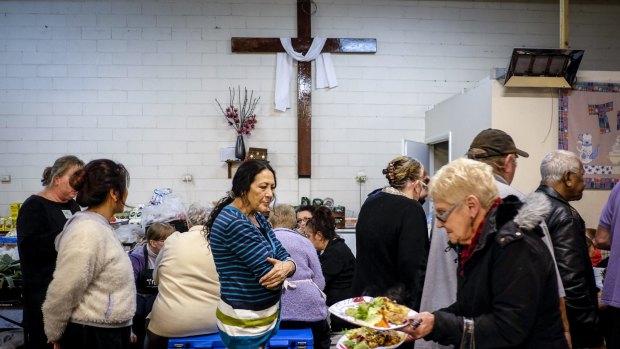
(380, 313)
(368, 338)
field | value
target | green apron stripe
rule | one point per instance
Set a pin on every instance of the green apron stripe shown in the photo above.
(231, 321)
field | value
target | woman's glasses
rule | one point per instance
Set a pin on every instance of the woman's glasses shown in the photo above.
(444, 216)
(305, 219)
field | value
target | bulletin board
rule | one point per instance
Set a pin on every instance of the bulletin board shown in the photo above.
(590, 127)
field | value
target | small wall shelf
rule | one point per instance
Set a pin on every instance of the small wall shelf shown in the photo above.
(230, 164)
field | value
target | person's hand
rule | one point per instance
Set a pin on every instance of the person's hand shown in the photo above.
(276, 276)
(420, 325)
(55, 343)
(568, 339)
(133, 338)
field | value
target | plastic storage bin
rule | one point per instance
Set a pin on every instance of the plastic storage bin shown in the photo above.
(289, 339)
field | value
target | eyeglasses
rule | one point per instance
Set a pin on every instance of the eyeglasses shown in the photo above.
(305, 220)
(444, 216)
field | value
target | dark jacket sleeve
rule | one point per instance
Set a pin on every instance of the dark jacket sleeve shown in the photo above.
(413, 247)
(577, 277)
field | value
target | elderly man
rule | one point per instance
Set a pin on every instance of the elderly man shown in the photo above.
(562, 181)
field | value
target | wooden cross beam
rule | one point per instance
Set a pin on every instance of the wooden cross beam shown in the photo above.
(304, 73)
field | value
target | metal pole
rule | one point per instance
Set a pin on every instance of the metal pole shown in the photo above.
(564, 24)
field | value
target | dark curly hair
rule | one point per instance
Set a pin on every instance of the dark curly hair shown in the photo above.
(323, 221)
(94, 181)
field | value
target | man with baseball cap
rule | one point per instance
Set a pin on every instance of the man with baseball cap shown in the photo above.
(497, 149)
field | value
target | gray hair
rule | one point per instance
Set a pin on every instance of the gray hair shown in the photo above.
(197, 215)
(283, 216)
(557, 163)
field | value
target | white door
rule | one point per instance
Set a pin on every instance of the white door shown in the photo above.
(417, 150)
(421, 152)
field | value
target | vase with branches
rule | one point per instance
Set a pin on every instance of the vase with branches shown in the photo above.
(239, 114)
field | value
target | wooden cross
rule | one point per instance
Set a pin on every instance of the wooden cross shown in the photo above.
(304, 73)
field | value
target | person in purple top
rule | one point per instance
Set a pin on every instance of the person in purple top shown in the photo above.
(303, 300)
(608, 238)
(143, 260)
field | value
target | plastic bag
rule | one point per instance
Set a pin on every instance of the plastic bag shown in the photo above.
(169, 207)
(129, 233)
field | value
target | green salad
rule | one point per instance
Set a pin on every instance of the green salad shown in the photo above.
(379, 312)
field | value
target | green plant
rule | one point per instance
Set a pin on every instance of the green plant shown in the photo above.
(10, 270)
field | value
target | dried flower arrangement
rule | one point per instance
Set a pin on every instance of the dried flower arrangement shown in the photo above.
(241, 117)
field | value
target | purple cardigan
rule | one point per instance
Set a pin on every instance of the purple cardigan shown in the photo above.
(302, 300)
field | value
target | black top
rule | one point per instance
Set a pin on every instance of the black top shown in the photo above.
(338, 264)
(392, 249)
(38, 223)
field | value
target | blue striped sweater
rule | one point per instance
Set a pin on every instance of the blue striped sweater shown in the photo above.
(240, 250)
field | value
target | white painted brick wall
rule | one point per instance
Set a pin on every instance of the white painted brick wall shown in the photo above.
(136, 81)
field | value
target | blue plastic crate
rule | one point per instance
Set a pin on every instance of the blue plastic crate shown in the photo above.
(289, 339)
(8, 239)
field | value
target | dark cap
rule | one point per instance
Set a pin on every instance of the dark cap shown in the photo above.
(493, 142)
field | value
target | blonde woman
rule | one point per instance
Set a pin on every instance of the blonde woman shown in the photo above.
(41, 218)
(507, 295)
(392, 236)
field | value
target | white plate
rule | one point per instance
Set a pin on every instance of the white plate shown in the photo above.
(338, 309)
(343, 338)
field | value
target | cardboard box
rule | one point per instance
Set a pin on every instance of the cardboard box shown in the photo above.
(289, 339)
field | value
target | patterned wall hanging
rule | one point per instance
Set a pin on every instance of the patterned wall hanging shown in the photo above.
(590, 127)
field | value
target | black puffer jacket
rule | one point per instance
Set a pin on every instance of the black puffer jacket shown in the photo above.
(508, 287)
(568, 235)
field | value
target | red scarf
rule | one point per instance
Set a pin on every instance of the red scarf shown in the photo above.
(468, 250)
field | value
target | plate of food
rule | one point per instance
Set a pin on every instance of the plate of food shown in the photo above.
(379, 313)
(365, 338)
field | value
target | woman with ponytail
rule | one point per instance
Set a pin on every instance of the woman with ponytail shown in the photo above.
(40, 220)
(251, 263)
(92, 299)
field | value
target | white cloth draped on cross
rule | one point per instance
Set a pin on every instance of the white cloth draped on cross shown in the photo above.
(324, 76)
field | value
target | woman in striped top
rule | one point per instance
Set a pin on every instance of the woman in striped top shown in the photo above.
(251, 263)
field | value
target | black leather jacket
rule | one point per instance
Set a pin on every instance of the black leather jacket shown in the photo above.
(568, 233)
